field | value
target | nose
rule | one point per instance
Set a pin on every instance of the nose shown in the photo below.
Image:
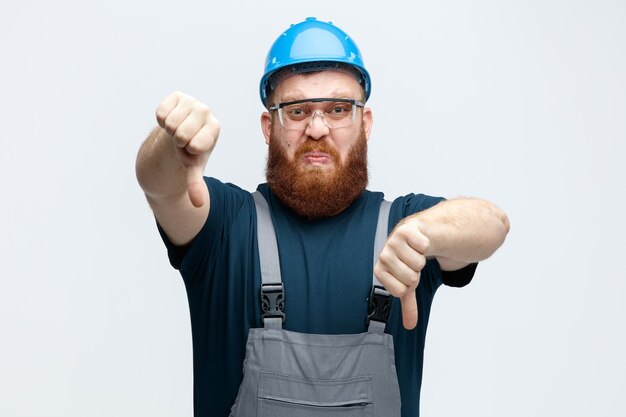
(317, 129)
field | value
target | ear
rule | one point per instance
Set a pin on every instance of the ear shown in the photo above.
(368, 120)
(266, 125)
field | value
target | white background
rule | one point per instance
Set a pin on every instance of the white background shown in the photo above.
(519, 102)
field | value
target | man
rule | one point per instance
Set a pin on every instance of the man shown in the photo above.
(317, 127)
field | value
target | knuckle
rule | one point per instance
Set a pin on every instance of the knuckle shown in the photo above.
(170, 125)
(410, 279)
(404, 228)
(180, 140)
(426, 245)
(392, 242)
(394, 288)
(182, 136)
(404, 291)
(179, 143)
(160, 115)
(202, 109)
(178, 94)
(205, 140)
(378, 269)
(385, 256)
(194, 148)
(417, 279)
(214, 121)
(401, 236)
(407, 278)
(419, 263)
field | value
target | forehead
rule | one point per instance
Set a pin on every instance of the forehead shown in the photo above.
(334, 84)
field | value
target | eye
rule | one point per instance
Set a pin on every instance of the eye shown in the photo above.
(296, 112)
(338, 110)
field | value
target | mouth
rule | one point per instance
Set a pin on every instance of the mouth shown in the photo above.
(317, 158)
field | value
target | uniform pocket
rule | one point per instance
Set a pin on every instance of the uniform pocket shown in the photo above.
(285, 396)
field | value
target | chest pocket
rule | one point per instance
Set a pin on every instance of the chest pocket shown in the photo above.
(280, 395)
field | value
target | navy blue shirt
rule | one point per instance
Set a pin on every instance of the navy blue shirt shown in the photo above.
(326, 268)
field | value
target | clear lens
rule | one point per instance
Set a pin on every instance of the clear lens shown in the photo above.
(335, 114)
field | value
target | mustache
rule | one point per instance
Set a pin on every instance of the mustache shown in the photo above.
(319, 146)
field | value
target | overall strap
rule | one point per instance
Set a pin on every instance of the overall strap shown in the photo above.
(272, 292)
(380, 299)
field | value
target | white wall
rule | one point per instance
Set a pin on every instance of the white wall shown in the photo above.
(520, 102)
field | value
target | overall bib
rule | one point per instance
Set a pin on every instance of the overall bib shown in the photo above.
(290, 374)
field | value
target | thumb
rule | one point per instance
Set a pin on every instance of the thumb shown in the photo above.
(196, 187)
(408, 303)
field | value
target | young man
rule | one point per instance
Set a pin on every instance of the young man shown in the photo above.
(317, 127)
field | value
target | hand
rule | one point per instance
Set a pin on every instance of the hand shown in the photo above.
(400, 264)
(194, 131)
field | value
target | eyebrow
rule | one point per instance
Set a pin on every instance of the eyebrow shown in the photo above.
(301, 96)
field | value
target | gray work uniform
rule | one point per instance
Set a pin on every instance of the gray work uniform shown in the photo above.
(305, 375)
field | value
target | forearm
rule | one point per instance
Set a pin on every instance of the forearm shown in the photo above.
(159, 172)
(463, 230)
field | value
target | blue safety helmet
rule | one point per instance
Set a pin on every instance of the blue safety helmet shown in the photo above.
(312, 46)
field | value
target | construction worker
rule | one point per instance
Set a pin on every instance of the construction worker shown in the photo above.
(310, 296)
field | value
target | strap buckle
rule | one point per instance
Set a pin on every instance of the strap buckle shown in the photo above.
(273, 301)
(379, 304)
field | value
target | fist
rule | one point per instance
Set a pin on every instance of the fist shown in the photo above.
(194, 131)
(400, 264)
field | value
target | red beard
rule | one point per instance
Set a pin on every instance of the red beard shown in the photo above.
(314, 192)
